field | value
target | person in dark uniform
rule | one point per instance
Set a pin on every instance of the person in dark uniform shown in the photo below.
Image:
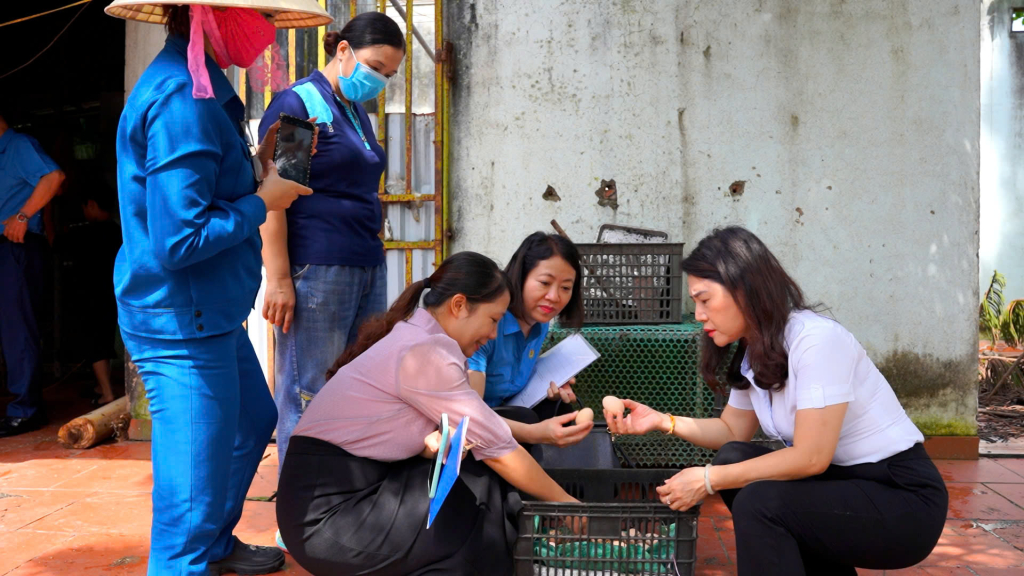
(29, 179)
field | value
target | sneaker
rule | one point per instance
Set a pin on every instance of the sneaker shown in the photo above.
(249, 559)
(280, 543)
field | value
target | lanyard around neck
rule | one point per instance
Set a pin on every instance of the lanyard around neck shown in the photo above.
(355, 121)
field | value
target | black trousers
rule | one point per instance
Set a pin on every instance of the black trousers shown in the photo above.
(883, 516)
(341, 514)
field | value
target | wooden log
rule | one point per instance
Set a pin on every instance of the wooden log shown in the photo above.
(88, 430)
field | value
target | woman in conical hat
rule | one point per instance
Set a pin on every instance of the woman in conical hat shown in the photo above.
(192, 199)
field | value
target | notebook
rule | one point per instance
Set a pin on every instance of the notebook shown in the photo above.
(563, 361)
(440, 455)
(450, 467)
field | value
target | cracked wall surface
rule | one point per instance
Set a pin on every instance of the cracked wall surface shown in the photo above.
(843, 133)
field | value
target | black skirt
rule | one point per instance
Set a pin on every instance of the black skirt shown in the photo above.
(343, 514)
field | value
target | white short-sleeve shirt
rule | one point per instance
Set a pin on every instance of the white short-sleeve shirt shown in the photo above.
(828, 366)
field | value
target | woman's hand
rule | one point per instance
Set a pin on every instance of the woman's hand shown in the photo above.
(641, 419)
(554, 431)
(683, 490)
(432, 443)
(279, 193)
(266, 150)
(565, 392)
(279, 302)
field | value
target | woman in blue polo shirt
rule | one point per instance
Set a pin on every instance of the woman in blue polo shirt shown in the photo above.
(544, 272)
(325, 262)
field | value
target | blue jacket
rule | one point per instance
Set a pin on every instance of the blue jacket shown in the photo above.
(190, 263)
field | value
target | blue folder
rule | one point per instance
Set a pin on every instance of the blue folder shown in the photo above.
(449, 470)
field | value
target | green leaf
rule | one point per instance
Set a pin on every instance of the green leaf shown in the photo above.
(1011, 325)
(990, 311)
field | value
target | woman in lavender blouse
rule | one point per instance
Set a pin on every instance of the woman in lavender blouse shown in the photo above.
(353, 497)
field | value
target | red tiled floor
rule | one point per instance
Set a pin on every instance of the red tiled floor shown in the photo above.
(113, 476)
(20, 547)
(1012, 533)
(992, 571)
(19, 508)
(41, 473)
(1012, 492)
(930, 571)
(125, 512)
(1015, 465)
(713, 506)
(103, 553)
(978, 501)
(982, 549)
(982, 470)
(117, 450)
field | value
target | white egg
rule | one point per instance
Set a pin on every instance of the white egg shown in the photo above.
(613, 405)
(586, 415)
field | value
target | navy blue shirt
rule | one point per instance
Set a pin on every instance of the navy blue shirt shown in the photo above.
(508, 360)
(339, 223)
(22, 164)
(190, 263)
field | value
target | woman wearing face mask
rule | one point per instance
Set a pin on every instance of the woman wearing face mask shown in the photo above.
(353, 494)
(325, 262)
(191, 203)
(544, 272)
(853, 487)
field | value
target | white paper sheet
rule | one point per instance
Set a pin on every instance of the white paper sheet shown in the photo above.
(563, 361)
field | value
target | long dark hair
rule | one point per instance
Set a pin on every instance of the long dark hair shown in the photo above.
(178, 20)
(536, 248)
(366, 29)
(766, 295)
(473, 275)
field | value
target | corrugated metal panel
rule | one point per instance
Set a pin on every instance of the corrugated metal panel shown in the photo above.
(410, 222)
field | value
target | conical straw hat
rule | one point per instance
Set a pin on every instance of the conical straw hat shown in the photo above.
(290, 13)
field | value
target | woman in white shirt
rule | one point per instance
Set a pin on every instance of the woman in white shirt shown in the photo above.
(853, 487)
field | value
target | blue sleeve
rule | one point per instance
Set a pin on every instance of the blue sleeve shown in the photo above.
(30, 160)
(478, 361)
(286, 101)
(183, 156)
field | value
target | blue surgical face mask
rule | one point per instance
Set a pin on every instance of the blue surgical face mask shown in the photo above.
(364, 84)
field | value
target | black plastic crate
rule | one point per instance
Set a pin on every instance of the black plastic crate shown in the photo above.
(632, 283)
(626, 529)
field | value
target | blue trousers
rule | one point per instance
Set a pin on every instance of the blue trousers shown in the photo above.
(331, 303)
(21, 285)
(212, 419)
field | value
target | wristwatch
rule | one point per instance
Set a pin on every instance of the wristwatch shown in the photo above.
(22, 217)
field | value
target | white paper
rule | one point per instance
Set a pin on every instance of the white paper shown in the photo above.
(559, 364)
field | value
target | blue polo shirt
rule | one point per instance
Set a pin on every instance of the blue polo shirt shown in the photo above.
(190, 263)
(509, 359)
(338, 224)
(22, 164)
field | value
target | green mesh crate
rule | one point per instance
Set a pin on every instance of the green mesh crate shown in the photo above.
(656, 365)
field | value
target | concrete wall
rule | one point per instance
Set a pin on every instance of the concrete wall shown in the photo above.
(1002, 147)
(142, 43)
(852, 126)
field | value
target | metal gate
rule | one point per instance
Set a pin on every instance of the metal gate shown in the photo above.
(411, 123)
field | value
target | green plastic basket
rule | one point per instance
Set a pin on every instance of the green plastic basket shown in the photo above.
(656, 365)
